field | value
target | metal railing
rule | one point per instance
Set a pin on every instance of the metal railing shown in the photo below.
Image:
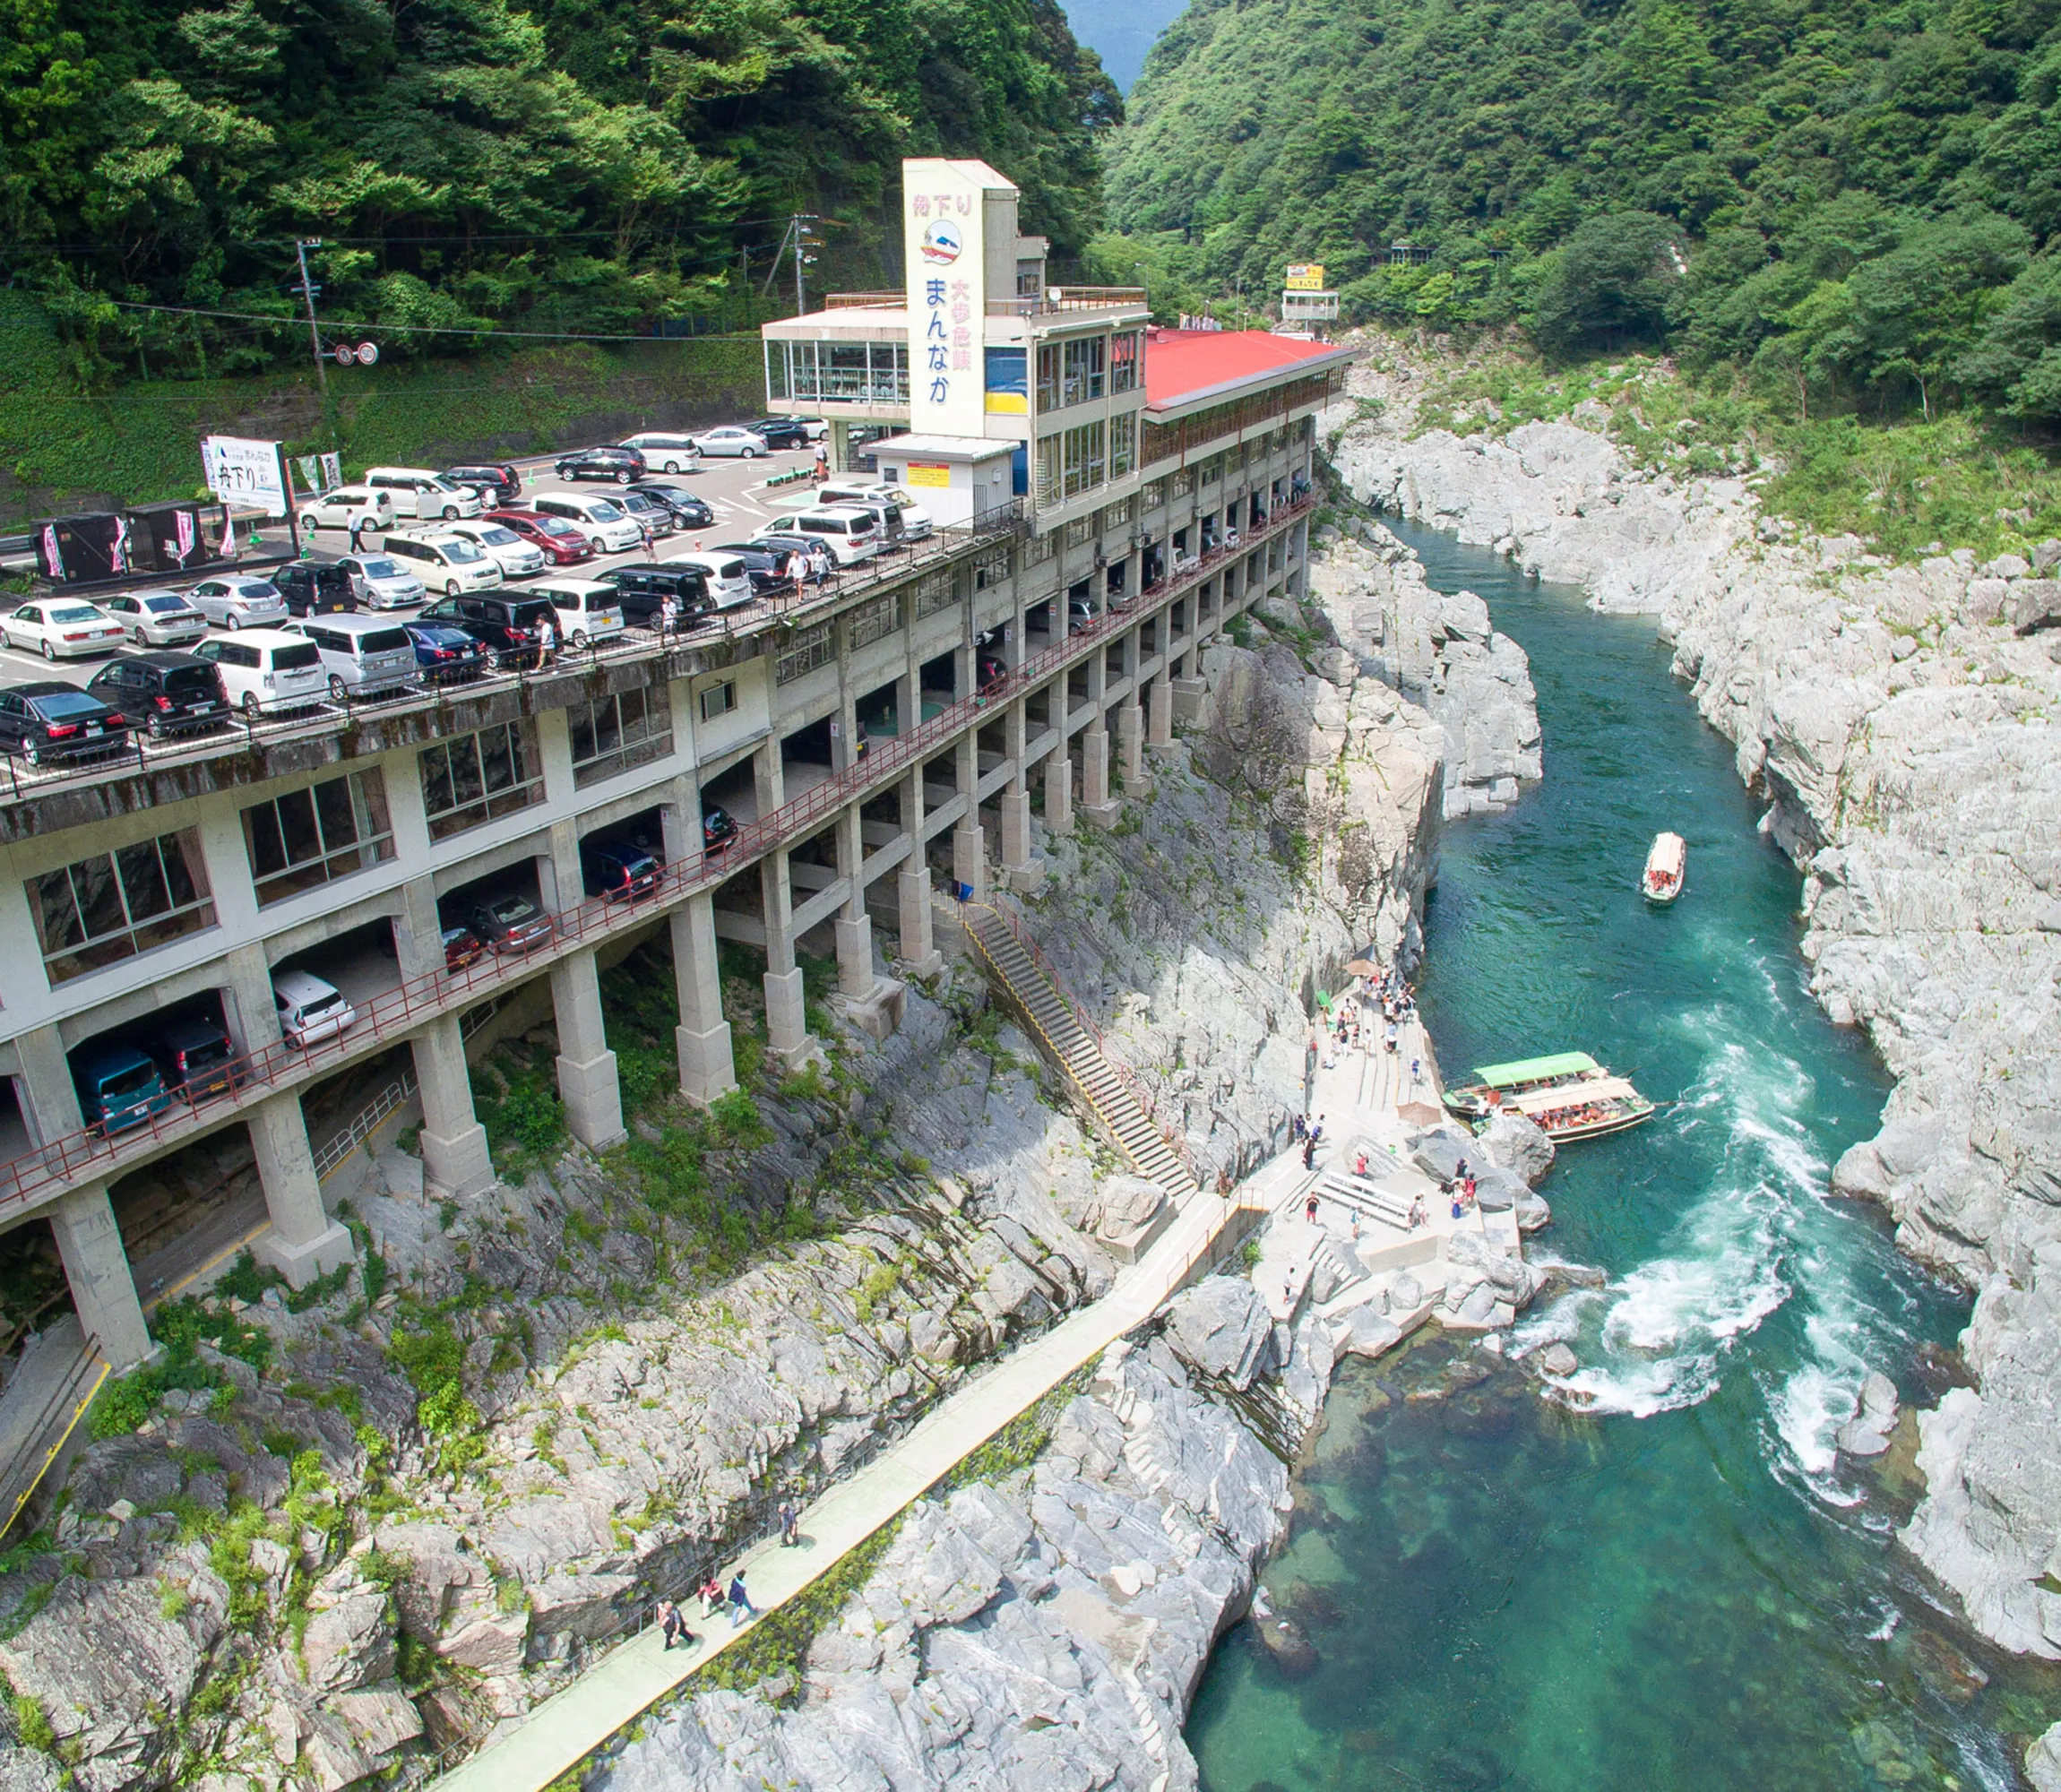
(864, 301)
(90, 1155)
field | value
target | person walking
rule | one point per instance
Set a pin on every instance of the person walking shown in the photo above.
(711, 1594)
(741, 1606)
(361, 519)
(1309, 1208)
(823, 463)
(546, 642)
(819, 563)
(790, 1525)
(1310, 1152)
(668, 616)
(672, 1624)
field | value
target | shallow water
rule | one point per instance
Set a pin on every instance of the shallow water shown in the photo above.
(1679, 1585)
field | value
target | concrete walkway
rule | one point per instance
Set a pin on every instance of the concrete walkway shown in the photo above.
(567, 1728)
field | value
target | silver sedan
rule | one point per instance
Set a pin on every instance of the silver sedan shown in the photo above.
(382, 583)
(731, 443)
(159, 618)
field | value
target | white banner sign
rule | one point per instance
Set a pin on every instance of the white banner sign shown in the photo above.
(944, 233)
(249, 475)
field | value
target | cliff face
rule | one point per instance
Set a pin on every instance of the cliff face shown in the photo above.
(1902, 724)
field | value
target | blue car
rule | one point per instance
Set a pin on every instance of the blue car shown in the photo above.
(444, 655)
(118, 1087)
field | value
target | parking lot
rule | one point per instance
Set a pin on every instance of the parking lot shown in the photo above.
(737, 490)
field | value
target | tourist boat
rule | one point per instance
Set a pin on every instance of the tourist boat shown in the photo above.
(1666, 869)
(1568, 1095)
(1495, 1084)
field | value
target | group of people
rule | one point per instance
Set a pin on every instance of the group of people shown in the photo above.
(715, 1597)
(1461, 1190)
(1307, 1132)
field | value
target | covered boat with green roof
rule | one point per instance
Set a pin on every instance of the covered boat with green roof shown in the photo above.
(1568, 1094)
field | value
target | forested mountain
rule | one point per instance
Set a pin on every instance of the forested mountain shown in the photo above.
(588, 164)
(1855, 201)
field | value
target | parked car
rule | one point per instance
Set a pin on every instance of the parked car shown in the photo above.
(622, 466)
(444, 654)
(588, 609)
(516, 558)
(617, 870)
(343, 507)
(562, 543)
(265, 671)
(640, 592)
(656, 519)
(668, 453)
(718, 828)
(231, 601)
(610, 529)
(316, 588)
(364, 656)
(381, 581)
(730, 443)
(162, 692)
(496, 481)
(795, 547)
(728, 583)
(851, 534)
(903, 517)
(510, 924)
(692, 512)
(504, 626)
(462, 949)
(310, 1008)
(771, 570)
(156, 618)
(196, 1058)
(62, 629)
(417, 491)
(782, 432)
(47, 722)
(449, 563)
(118, 1087)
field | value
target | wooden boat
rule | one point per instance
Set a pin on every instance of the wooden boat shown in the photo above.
(1568, 1095)
(1666, 869)
(1494, 1084)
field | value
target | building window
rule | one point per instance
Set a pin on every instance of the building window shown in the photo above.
(1048, 376)
(1082, 458)
(875, 621)
(1212, 469)
(479, 777)
(991, 570)
(1184, 482)
(1082, 379)
(1117, 515)
(1124, 362)
(812, 648)
(718, 700)
(613, 733)
(934, 593)
(1079, 531)
(1123, 443)
(1154, 495)
(850, 372)
(1039, 550)
(115, 905)
(309, 838)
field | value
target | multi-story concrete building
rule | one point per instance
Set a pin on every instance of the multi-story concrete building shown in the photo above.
(906, 732)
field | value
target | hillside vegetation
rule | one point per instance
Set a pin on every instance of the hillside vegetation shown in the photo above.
(1831, 206)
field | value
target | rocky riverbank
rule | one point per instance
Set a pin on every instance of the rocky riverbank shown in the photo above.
(1901, 723)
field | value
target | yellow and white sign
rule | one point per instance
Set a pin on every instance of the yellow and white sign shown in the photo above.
(944, 206)
(1305, 277)
(928, 473)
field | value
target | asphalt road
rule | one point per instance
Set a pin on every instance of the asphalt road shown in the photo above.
(735, 490)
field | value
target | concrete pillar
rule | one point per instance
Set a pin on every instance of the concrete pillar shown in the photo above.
(786, 1008)
(840, 445)
(455, 1160)
(419, 930)
(53, 1097)
(1016, 827)
(97, 1268)
(1095, 801)
(680, 821)
(1159, 726)
(304, 1242)
(702, 1039)
(255, 1021)
(920, 953)
(855, 974)
(558, 878)
(970, 861)
(587, 1081)
(1131, 746)
(1059, 793)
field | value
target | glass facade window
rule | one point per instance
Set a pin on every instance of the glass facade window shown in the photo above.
(1079, 531)
(1048, 376)
(1123, 443)
(309, 838)
(812, 648)
(1124, 361)
(851, 373)
(613, 733)
(875, 621)
(1082, 460)
(1084, 377)
(478, 778)
(991, 569)
(115, 905)
(1049, 459)
(1153, 494)
(718, 700)
(934, 593)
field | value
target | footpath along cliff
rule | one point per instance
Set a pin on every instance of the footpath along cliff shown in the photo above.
(1905, 724)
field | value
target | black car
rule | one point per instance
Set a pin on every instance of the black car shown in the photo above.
(161, 692)
(497, 482)
(196, 1059)
(771, 569)
(617, 870)
(505, 627)
(781, 432)
(46, 721)
(642, 590)
(623, 466)
(657, 518)
(692, 512)
(444, 653)
(316, 588)
(506, 922)
(718, 830)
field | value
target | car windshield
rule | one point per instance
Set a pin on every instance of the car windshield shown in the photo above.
(322, 1004)
(513, 911)
(383, 639)
(460, 552)
(133, 1080)
(167, 605)
(60, 703)
(496, 538)
(296, 657)
(258, 591)
(456, 937)
(551, 525)
(381, 568)
(605, 511)
(444, 484)
(75, 613)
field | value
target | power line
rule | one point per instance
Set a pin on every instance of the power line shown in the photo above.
(372, 326)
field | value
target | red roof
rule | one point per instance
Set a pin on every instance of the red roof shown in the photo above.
(1182, 366)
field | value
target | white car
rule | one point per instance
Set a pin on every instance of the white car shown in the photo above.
(730, 443)
(382, 583)
(728, 580)
(664, 453)
(267, 671)
(62, 628)
(338, 509)
(310, 1009)
(516, 558)
(239, 603)
(157, 618)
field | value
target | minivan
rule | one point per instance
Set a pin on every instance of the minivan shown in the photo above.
(899, 514)
(450, 564)
(118, 1087)
(265, 670)
(196, 1059)
(162, 693)
(726, 575)
(364, 656)
(641, 591)
(588, 610)
(316, 588)
(310, 1009)
(852, 536)
(664, 453)
(617, 871)
(608, 525)
(341, 508)
(416, 491)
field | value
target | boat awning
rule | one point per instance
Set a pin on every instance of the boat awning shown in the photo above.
(1574, 1095)
(1535, 1070)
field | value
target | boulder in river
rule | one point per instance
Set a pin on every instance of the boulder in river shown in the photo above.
(1867, 1432)
(1290, 1645)
(1512, 1143)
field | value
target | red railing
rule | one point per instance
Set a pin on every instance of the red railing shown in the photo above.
(90, 1155)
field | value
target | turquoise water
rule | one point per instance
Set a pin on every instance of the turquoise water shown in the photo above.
(1677, 1585)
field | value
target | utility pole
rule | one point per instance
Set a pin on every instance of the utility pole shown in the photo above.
(307, 292)
(798, 237)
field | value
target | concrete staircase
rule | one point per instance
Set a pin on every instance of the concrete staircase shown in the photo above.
(1075, 1051)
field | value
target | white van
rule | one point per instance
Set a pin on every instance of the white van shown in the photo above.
(727, 579)
(337, 509)
(664, 453)
(310, 1009)
(608, 526)
(588, 610)
(450, 564)
(266, 670)
(416, 491)
(516, 558)
(899, 514)
(365, 656)
(851, 534)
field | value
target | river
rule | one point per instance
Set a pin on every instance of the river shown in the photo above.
(1681, 1585)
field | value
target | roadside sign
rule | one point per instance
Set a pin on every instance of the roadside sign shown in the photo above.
(342, 354)
(249, 475)
(1305, 277)
(368, 353)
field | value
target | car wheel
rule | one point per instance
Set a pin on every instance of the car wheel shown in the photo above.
(622, 478)
(670, 467)
(136, 637)
(450, 512)
(49, 652)
(309, 523)
(751, 454)
(578, 639)
(251, 704)
(154, 728)
(337, 693)
(32, 754)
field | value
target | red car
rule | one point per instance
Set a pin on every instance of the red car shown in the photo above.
(462, 947)
(563, 545)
